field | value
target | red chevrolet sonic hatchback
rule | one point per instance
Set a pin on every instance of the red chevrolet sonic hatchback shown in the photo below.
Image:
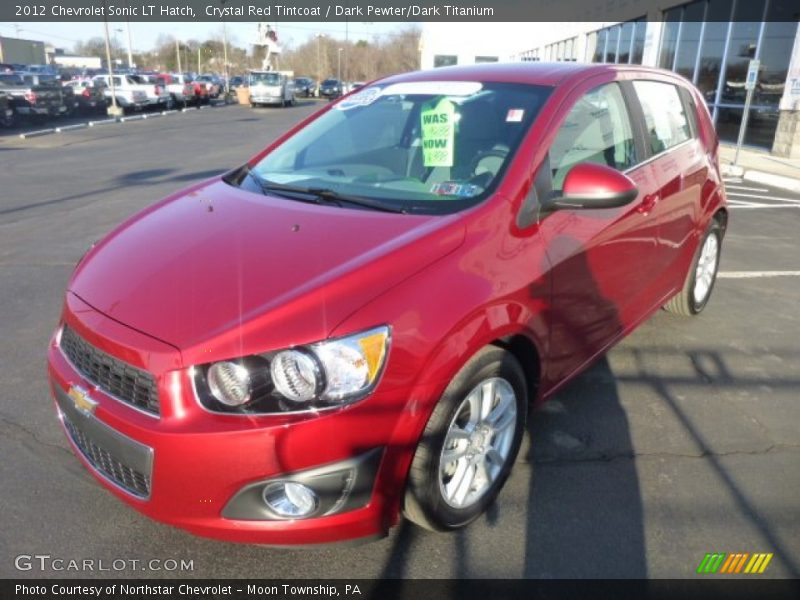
(354, 324)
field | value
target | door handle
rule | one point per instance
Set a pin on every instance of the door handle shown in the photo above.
(648, 203)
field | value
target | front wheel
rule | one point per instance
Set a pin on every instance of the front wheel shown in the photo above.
(469, 444)
(702, 275)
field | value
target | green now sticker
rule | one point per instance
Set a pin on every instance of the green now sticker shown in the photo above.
(438, 134)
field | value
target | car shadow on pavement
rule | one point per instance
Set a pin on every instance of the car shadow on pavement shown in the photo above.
(585, 517)
(710, 367)
(135, 178)
(575, 490)
(582, 515)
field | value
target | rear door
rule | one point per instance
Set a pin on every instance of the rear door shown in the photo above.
(680, 166)
(602, 260)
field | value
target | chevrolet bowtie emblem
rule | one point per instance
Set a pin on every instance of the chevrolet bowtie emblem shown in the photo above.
(83, 402)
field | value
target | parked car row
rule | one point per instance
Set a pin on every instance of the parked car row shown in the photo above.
(41, 95)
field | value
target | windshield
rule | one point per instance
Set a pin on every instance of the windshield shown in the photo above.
(429, 147)
(266, 78)
(330, 82)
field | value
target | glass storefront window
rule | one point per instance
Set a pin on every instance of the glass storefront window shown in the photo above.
(445, 60)
(776, 49)
(719, 11)
(669, 38)
(761, 125)
(741, 49)
(625, 43)
(599, 53)
(690, 39)
(611, 49)
(638, 42)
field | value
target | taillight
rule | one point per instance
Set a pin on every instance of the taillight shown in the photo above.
(87, 93)
(158, 90)
(30, 97)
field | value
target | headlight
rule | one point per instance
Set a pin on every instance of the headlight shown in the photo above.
(229, 383)
(321, 375)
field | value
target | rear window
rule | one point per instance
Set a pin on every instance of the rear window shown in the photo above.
(664, 115)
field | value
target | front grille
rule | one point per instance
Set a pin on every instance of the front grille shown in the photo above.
(105, 462)
(125, 382)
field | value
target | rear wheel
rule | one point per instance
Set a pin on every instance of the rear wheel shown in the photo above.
(469, 444)
(10, 120)
(702, 275)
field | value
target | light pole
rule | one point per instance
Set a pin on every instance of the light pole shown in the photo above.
(339, 65)
(319, 36)
(130, 46)
(178, 54)
(113, 110)
(116, 42)
(225, 58)
(225, 53)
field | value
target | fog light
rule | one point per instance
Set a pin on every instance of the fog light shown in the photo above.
(290, 500)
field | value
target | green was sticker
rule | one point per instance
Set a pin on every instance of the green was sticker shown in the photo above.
(438, 134)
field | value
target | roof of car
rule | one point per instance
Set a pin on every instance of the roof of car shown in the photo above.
(517, 72)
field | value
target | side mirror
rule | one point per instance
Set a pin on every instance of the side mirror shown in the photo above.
(590, 185)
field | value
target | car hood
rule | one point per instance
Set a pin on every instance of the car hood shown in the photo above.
(215, 269)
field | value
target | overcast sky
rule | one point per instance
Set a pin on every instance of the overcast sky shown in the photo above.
(64, 35)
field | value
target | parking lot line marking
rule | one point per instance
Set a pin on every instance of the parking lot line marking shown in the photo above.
(745, 189)
(756, 274)
(750, 204)
(763, 197)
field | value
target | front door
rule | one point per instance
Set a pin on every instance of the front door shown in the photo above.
(603, 261)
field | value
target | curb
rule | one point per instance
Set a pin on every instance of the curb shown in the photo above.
(140, 117)
(731, 170)
(31, 134)
(71, 127)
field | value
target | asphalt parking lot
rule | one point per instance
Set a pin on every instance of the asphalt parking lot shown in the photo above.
(684, 440)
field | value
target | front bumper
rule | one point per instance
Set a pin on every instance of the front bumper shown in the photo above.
(204, 472)
(266, 99)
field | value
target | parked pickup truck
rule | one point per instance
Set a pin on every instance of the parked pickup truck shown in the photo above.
(213, 83)
(179, 88)
(130, 96)
(158, 97)
(89, 95)
(33, 94)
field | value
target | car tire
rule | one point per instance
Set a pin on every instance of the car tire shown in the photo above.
(702, 275)
(10, 121)
(437, 495)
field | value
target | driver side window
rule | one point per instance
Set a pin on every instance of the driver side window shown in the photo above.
(597, 130)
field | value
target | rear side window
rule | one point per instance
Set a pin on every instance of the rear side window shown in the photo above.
(665, 119)
(597, 130)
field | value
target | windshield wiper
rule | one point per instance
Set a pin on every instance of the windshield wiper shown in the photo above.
(328, 196)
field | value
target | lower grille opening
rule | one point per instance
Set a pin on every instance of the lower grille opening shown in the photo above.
(107, 464)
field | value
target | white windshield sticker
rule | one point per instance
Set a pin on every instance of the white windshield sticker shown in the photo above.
(515, 115)
(434, 88)
(363, 98)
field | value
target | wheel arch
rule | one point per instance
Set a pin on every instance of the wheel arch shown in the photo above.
(721, 217)
(529, 358)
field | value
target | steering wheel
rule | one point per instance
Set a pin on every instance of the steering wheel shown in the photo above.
(496, 153)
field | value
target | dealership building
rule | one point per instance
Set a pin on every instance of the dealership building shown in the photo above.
(710, 42)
